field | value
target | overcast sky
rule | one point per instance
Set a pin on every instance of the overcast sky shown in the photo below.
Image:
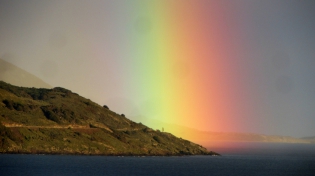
(87, 47)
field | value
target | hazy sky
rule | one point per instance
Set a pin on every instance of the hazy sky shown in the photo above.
(256, 58)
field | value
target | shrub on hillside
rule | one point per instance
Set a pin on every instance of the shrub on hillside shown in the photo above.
(157, 139)
(105, 107)
(8, 104)
(50, 115)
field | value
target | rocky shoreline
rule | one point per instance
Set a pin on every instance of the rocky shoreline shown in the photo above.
(118, 155)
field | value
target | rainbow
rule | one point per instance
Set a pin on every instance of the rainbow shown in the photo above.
(182, 62)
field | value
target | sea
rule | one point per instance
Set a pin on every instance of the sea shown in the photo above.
(286, 159)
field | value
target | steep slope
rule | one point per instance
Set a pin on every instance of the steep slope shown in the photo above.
(17, 76)
(60, 121)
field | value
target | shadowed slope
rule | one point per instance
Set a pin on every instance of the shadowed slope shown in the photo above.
(17, 76)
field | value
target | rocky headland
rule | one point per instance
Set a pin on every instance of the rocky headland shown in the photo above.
(58, 121)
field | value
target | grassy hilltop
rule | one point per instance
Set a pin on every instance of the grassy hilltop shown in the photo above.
(58, 121)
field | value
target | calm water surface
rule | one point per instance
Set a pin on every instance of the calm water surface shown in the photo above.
(228, 164)
(193, 165)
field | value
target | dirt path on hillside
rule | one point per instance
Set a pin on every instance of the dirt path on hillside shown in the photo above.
(55, 126)
(15, 125)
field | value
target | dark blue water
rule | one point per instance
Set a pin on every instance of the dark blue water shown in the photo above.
(238, 159)
(187, 165)
(263, 148)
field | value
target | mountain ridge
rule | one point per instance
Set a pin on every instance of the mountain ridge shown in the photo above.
(17, 76)
(58, 121)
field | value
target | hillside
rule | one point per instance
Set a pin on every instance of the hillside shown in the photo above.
(58, 121)
(17, 76)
